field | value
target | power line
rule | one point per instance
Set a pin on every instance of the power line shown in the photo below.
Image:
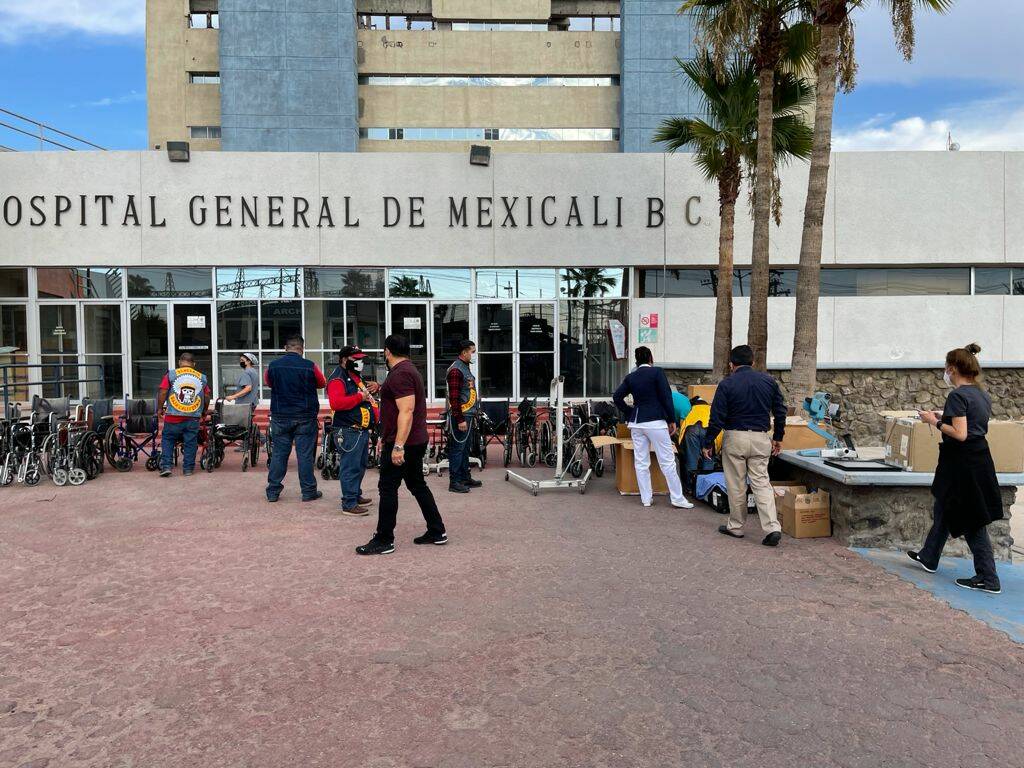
(40, 137)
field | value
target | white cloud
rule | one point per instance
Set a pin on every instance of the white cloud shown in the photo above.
(21, 19)
(991, 125)
(975, 40)
(110, 101)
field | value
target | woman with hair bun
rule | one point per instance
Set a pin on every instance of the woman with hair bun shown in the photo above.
(966, 491)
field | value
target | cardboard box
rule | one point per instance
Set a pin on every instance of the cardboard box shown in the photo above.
(914, 445)
(1006, 441)
(625, 472)
(799, 436)
(705, 392)
(911, 444)
(804, 515)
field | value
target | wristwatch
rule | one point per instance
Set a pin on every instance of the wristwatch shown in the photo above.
(398, 447)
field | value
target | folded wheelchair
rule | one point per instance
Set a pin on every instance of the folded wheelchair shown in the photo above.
(231, 424)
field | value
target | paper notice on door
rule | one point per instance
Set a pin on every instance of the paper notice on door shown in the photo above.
(412, 323)
(195, 321)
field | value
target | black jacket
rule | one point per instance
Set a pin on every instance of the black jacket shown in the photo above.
(966, 485)
(652, 396)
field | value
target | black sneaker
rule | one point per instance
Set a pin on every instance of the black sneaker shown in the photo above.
(978, 585)
(772, 539)
(375, 547)
(165, 473)
(314, 497)
(471, 483)
(723, 529)
(188, 472)
(431, 538)
(916, 557)
(457, 488)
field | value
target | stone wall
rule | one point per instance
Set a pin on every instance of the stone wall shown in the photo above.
(862, 393)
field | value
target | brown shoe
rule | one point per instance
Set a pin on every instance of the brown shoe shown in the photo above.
(356, 512)
(364, 502)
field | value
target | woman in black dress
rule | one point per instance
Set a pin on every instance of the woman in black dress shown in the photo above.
(967, 496)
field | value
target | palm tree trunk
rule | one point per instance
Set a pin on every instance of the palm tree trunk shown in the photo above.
(723, 302)
(804, 374)
(757, 326)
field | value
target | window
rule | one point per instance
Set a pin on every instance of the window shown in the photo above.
(149, 348)
(79, 283)
(585, 349)
(499, 26)
(14, 283)
(491, 134)
(259, 282)
(487, 81)
(516, 283)
(451, 327)
(429, 283)
(594, 283)
(536, 348)
(345, 283)
(593, 23)
(14, 333)
(278, 321)
(204, 21)
(927, 281)
(102, 325)
(204, 131)
(171, 283)
(494, 349)
(58, 345)
(204, 78)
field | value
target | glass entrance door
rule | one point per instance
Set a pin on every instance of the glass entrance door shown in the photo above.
(451, 327)
(193, 332)
(58, 346)
(410, 320)
(149, 336)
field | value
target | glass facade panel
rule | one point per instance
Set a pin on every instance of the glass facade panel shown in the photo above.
(325, 324)
(75, 283)
(345, 283)
(516, 283)
(364, 324)
(593, 283)
(586, 354)
(259, 283)
(927, 281)
(237, 325)
(14, 333)
(429, 283)
(535, 374)
(279, 320)
(13, 283)
(494, 325)
(170, 283)
(149, 347)
(451, 327)
(495, 374)
(102, 328)
(537, 327)
(988, 281)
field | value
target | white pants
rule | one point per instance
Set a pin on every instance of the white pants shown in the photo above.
(645, 438)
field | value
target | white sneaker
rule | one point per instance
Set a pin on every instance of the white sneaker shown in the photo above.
(646, 503)
(684, 504)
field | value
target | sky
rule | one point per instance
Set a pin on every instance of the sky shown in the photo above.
(80, 66)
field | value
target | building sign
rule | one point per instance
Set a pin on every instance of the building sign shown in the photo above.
(60, 331)
(195, 321)
(647, 335)
(412, 323)
(617, 339)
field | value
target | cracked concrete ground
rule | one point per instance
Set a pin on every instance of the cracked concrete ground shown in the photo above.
(186, 622)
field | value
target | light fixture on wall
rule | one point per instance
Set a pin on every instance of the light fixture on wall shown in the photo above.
(479, 155)
(177, 151)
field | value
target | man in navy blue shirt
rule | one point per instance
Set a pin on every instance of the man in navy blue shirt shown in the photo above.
(744, 405)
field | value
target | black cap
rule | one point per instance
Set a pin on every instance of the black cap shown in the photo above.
(351, 351)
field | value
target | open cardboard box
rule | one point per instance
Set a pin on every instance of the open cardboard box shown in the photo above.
(914, 445)
(803, 514)
(625, 473)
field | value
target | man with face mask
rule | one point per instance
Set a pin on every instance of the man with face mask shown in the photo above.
(463, 402)
(355, 413)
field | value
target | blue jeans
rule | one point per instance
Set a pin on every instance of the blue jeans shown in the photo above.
(458, 452)
(352, 449)
(693, 442)
(188, 433)
(285, 431)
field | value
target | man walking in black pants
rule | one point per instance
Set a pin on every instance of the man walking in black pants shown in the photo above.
(403, 423)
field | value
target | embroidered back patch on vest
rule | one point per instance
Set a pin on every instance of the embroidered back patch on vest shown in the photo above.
(186, 393)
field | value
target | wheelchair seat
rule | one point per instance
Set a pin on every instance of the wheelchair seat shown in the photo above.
(238, 415)
(140, 416)
(100, 413)
(497, 412)
(58, 407)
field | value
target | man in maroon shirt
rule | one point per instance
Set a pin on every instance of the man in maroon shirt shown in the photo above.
(403, 423)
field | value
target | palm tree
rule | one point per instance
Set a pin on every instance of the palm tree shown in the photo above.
(770, 32)
(586, 284)
(407, 285)
(833, 21)
(725, 143)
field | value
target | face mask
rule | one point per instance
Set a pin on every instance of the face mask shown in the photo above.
(241, 365)
(354, 365)
(946, 378)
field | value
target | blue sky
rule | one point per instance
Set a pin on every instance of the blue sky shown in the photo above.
(80, 66)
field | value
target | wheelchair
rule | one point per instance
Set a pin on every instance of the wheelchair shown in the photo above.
(39, 444)
(328, 460)
(133, 435)
(522, 438)
(230, 424)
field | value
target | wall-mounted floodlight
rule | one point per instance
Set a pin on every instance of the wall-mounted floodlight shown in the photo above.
(177, 151)
(479, 155)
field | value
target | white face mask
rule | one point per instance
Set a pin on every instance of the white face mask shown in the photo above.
(357, 366)
(946, 378)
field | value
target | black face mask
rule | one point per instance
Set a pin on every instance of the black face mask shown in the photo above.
(350, 365)
(241, 364)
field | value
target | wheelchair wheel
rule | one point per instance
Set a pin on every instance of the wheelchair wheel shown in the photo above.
(254, 446)
(153, 462)
(599, 467)
(576, 468)
(551, 459)
(33, 475)
(320, 461)
(245, 462)
(531, 459)
(506, 458)
(116, 450)
(325, 473)
(76, 476)
(59, 476)
(6, 472)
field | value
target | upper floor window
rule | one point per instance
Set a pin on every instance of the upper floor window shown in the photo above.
(204, 21)
(485, 81)
(381, 21)
(205, 78)
(499, 26)
(204, 131)
(593, 23)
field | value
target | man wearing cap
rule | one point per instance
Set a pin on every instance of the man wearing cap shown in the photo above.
(462, 406)
(247, 385)
(355, 413)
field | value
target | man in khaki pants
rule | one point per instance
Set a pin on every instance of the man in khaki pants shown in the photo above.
(743, 407)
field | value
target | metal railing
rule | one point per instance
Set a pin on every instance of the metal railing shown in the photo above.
(7, 384)
(39, 129)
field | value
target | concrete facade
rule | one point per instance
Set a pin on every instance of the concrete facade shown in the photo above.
(288, 76)
(653, 34)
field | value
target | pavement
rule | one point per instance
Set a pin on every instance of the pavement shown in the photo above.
(187, 622)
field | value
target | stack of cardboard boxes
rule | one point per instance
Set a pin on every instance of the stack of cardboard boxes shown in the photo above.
(913, 445)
